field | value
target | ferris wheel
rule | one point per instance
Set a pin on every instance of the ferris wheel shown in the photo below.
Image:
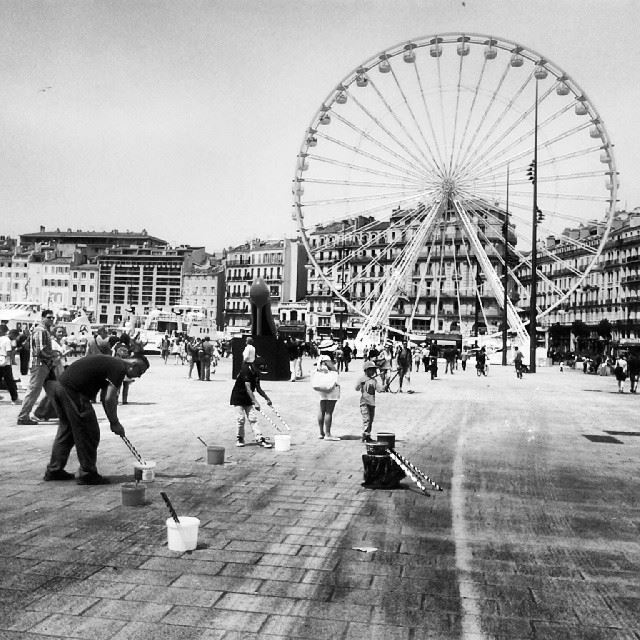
(414, 183)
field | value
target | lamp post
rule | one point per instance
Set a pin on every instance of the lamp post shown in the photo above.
(505, 276)
(533, 314)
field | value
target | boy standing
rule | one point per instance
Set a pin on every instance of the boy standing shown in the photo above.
(244, 400)
(367, 384)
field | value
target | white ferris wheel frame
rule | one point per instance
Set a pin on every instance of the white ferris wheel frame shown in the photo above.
(470, 39)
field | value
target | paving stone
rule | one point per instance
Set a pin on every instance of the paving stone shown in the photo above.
(63, 603)
(256, 603)
(78, 626)
(129, 610)
(217, 583)
(182, 565)
(149, 631)
(294, 627)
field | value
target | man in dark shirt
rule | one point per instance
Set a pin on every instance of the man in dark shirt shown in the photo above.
(244, 400)
(72, 394)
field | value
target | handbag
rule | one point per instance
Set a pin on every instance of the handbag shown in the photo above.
(324, 380)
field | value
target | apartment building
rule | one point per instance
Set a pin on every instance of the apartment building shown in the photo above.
(280, 263)
(203, 288)
(437, 296)
(134, 280)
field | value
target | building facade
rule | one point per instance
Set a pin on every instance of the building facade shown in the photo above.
(203, 288)
(280, 263)
(438, 296)
(135, 280)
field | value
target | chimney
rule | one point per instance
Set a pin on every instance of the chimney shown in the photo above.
(41, 229)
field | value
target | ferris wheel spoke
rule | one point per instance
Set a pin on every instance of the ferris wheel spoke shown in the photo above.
(549, 162)
(404, 169)
(360, 168)
(356, 183)
(442, 116)
(479, 149)
(440, 162)
(430, 161)
(470, 113)
(455, 117)
(388, 197)
(496, 152)
(385, 130)
(565, 237)
(484, 117)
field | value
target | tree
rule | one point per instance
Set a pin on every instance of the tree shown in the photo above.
(604, 329)
(581, 331)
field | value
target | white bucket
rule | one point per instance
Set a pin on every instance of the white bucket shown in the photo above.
(144, 471)
(185, 536)
(282, 441)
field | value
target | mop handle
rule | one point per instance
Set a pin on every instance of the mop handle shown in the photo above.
(407, 470)
(422, 474)
(266, 417)
(203, 442)
(133, 450)
(172, 511)
(281, 418)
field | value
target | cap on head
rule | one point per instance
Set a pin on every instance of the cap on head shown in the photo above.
(369, 365)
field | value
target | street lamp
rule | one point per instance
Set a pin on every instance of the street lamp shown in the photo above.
(505, 276)
(533, 176)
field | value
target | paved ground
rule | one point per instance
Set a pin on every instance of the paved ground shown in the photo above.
(536, 534)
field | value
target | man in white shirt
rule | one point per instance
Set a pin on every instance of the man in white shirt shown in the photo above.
(249, 353)
(6, 373)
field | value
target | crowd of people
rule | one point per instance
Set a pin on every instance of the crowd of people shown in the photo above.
(64, 384)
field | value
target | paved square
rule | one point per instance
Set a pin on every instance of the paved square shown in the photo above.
(535, 535)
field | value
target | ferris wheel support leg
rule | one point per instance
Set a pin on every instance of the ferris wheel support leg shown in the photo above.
(493, 279)
(381, 309)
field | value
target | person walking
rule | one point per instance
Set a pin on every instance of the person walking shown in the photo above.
(244, 401)
(46, 410)
(368, 384)
(416, 358)
(517, 361)
(348, 355)
(464, 356)
(633, 368)
(325, 381)
(6, 371)
(292, 352)
(165, 347)
(620, 371)
(99, 343)
(42, 362)
(206, 359)
(481, 362)
(403, 362)
(78, 424)
(122, 349)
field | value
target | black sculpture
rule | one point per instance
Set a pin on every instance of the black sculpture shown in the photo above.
(265, 336)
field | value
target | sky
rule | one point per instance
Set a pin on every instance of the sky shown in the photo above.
(185, 117)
